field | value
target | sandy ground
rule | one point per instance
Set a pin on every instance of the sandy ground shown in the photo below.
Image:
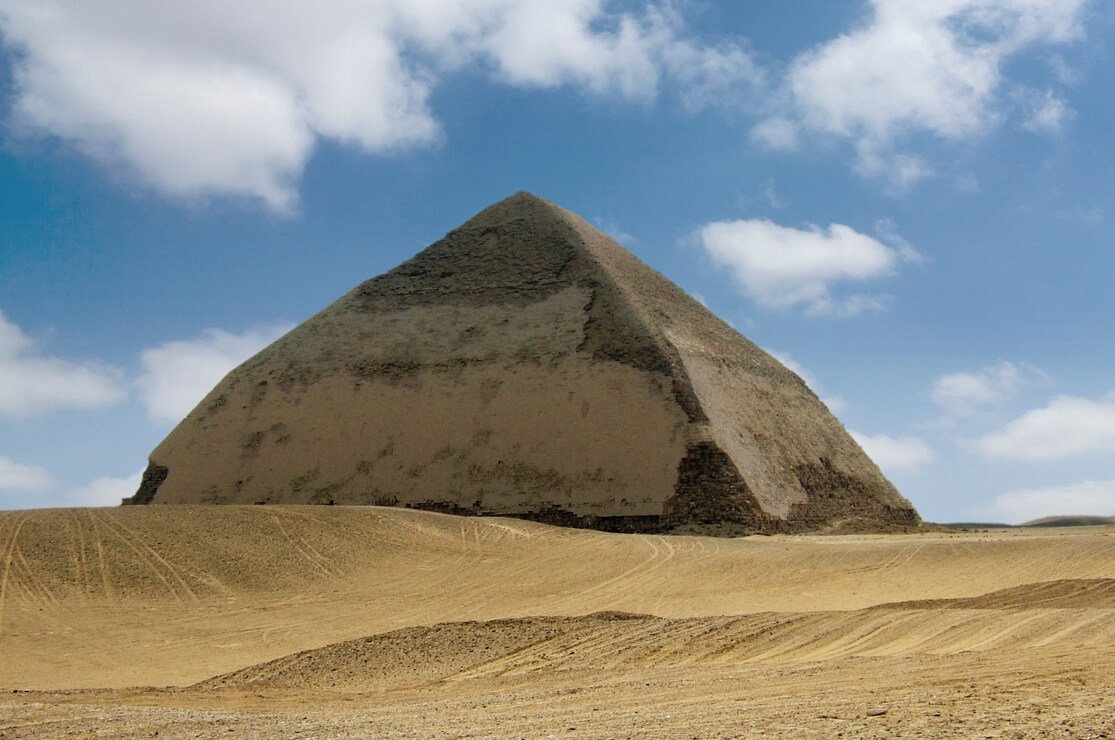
(337, 621)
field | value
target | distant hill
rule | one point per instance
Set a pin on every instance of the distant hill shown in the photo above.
(1047, 521)
(1070, 521)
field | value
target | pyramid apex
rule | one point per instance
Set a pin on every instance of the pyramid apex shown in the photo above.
(525, 198)
(527, 195)
(513, 206)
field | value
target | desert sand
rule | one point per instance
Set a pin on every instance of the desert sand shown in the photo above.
(354, 621)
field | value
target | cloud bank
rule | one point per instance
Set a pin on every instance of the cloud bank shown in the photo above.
(919, 68)
(211, 98)
(208, 98)
(31, 383)
(1069, 426)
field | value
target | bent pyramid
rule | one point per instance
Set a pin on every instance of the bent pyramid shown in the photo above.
(526, 365)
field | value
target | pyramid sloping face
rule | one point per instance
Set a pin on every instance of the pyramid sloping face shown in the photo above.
(525, 365)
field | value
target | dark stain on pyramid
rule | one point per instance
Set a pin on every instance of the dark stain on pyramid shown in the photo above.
(527, 365)
(480, 264)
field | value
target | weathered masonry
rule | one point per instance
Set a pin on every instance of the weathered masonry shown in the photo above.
(526, 365)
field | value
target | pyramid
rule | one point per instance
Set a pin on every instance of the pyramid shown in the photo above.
(526, 365)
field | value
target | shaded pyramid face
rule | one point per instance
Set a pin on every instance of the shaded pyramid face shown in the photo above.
(526, 365)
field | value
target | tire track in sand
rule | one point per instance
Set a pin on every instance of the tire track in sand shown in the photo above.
(106, 573)
(325, 569)
(110, 527)
(171, 568)
(8, 567)
(80, 563)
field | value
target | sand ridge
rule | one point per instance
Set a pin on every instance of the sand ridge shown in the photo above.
(1079, 614)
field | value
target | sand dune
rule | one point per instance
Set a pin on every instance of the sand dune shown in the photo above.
(270, 612)
(88, 594)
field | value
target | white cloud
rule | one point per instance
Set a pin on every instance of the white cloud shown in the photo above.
(895, 453)
(777, 133)
(724, 77)
(914, 68)
(782, 267)
(177, 375)
(18, 477)
(963, 394)
(1069, 426)
(835, 404)
(1095, 498)
(1062, 71)
(31, 383)
(211, 98)
(104, 491)
(1045, 112)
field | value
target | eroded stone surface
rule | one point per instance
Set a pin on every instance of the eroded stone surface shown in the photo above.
(526, 365)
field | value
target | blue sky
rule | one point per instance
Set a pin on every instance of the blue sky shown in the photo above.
(909, 203)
